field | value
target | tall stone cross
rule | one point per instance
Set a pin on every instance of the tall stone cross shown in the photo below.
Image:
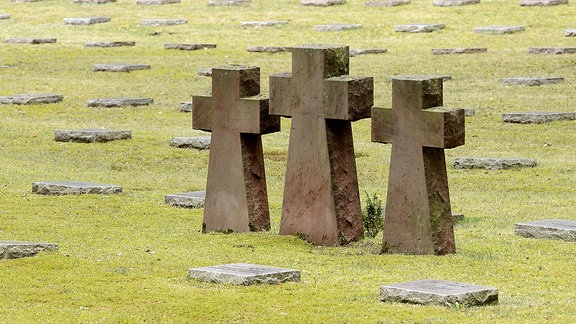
(236, 196)
(418, 219)
(321, 199)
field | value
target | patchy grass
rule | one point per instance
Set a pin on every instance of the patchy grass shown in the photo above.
(124, 258)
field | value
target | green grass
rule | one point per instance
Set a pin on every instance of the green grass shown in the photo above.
(124, 258)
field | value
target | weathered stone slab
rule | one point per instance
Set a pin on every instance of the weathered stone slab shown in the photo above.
(557, 229)
(4, 16)
(493, 163)
(267, 23)
(156, 2)
(469, 112)
(31, 99)
(119, 67)
(245, 274)
(97, 135)
(119, 102)
(205, 72)
(33, 41)
(186, 106)
(268, 49)
(466, 50)
(229, 2)
(200, 143)
(498, 30)
(17, 249)
(322, 3)
(419, 28)
(570, 33)
(163, 22)
(389, 3)
(452, 3)
(542, 3)
(194, 199)
(86, 20)
(109, 44)
(366, 51)
(336, 27)
(457, 218)
(552, 50)
(189, 47)
(59, 188)
(93, 1)
(537, 117)
(531, 81)
(439, 292)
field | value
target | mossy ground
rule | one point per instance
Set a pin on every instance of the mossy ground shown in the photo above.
(124, 258)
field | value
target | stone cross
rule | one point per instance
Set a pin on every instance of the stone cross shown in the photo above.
(418, 218)
(321, 198)
(236, 197)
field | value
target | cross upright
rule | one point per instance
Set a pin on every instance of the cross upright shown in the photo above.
(236, 194)
(418, 218)
(321, 199)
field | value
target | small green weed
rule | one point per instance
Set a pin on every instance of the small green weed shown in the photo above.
(372, 217)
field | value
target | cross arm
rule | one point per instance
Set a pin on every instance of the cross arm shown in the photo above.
(202, 109)
(348, 98)
(255, 117)
(282, 94)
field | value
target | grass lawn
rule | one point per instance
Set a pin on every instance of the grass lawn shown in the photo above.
(124, 258)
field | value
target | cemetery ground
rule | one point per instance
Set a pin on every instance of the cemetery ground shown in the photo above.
(125, 257)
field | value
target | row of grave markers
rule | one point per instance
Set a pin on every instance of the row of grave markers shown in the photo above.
(325, 3)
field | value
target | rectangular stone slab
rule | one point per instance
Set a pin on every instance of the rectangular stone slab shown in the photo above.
(229, 2)
(557, 229)
(31, 99)
(451, 3)
(109, 44)
(189, 47)
(91, 135)
(194, 199)
(4, 16)
(266, 23)
(245, 274)
(33, 41)
(498, 29)
(119, 102)
(322, 3)
(268, 49)
(493, 163)
(163, 22)
(156, 2)
(542, 3)
(119, 67)
(418, 28)
(570, 33)
(471, 50)
(552, 50)
(199, 143)
(18, 249)
(389, 3)
(531, 81)
(366, 51)
(438, 292)
(93, 1)
(86, 20)
(535, 117)
(336, 27)
(58, 188)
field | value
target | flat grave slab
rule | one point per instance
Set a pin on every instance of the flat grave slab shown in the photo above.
(205, 72)
(200, 142)
(493, 163)
(32, 41)
(418, 28)
(498, 30)
(552, 50)
(185, 106)
(336, 27)
(537, 117)
(58, 188)
(366, 51)
(452, 3)
(18, 249)
(189, 47)
(194, 199)
(322, 3)
(93, 1)
(469, 112)
(119, 67)
(119, 102)
(570, 33)
(4, 16)
(86, 20)
(229, 2)
(163, 22)
(268, 49)
(557, 229)
(156, 2)
(109, 44)
(245, 274)
(465, 50)
(439, 292)
(267, 23)
(531, 81)
(389, 3)
(87, 135)
(542, 3)
(31, 99)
